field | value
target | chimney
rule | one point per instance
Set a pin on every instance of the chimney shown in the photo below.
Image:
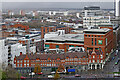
(20, 53)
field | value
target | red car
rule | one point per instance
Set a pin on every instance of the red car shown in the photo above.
(40, 73)
(22, 77)
(115, 54)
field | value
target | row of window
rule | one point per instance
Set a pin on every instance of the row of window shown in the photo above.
(20, 65)
(22, 61)
(101, 56)
(93, 61)
(92, 36)
(75, 59)
(57, 46)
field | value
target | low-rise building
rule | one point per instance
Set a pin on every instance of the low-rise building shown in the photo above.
(62, 42)
(27, 62)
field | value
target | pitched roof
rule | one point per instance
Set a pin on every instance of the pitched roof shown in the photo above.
(52, 56)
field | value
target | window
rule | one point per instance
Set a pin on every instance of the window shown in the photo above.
(21, 65)
(101, 61)
(57, 46)
(17, 61)
(101, 56)
(24, 65)
(97, 56)
(93, 56)
(89, 61)
(46, 45)
(100, 41)
(17, 65)
(89, 56)
(27, 60)
(71, 46)
(92, 41)
(95, 41)
(24, 60)
(27, 65)
(93, 61)
(97, 61)
(106, 41)
(21, 61)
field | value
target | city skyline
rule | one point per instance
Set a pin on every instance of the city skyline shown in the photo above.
(37, 5)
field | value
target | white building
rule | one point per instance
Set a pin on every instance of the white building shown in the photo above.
(117, 9)
(15, 51)
(3, 54)
(95, 20)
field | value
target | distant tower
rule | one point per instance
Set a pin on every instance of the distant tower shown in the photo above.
(22, 13)
(117, 11)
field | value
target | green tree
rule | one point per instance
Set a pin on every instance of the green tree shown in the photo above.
(4, 75)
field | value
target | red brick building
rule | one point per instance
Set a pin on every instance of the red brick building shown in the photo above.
(98, 39)
(29, 61)
(54, 29)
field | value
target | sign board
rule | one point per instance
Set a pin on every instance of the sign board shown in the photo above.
(100, 41)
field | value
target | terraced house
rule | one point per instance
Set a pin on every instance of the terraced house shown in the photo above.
(27, 62)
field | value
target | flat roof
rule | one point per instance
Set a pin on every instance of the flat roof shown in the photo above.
(97, 30)
(68, 37)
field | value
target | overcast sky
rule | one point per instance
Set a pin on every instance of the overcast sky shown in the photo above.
(12, 4)
(57, 0)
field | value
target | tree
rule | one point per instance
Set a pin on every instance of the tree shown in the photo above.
(61, 68)
(4, 75)
(37, 69)
(57, 75)
(11, 73)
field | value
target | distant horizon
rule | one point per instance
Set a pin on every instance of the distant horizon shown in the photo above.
(55, 5)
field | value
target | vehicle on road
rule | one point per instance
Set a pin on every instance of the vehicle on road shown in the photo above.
(22, 77)
(116, 62)
(50, 76)
(77, 75)
(40, 73)
(115, 54)
(113, 58)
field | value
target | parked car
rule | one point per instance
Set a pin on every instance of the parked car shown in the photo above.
(40, 73)
(77, 75)
(116, 62)
(115, 54)
(22, 77)
(50, 76)
(113, 58)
